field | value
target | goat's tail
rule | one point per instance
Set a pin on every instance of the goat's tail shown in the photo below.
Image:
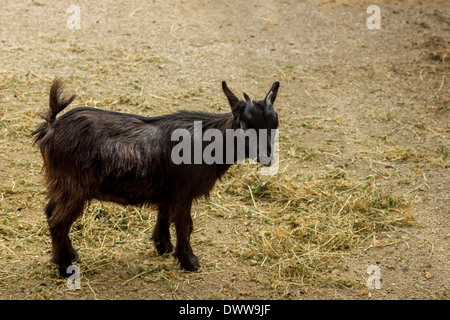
(57, 103)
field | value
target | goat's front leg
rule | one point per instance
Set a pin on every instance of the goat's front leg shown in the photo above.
(183, 250)
(161, 234)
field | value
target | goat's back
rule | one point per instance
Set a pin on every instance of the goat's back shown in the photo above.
(124, 158)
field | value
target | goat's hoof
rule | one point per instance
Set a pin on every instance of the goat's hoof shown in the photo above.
(163, 247)
(63, 272)
(190, 263)
(62, 268)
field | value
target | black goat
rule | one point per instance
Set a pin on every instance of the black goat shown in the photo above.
(124, 158)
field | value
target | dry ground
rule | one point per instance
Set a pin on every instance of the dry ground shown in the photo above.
(364, 146)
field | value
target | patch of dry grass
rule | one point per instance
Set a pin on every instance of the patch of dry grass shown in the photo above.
(307, 221)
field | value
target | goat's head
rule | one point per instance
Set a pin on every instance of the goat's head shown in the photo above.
(258, 115)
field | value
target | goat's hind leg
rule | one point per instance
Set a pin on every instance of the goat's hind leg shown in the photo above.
(60, 218)
(49, 213)
(161, 233)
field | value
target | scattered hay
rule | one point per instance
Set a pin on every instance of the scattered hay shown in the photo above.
(307, 222)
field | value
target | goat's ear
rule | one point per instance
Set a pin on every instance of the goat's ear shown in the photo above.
(232, 99)
(272, 94)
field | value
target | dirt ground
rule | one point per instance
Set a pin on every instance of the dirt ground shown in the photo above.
(370, 104)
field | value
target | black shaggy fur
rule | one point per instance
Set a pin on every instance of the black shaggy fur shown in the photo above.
(124, 158)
